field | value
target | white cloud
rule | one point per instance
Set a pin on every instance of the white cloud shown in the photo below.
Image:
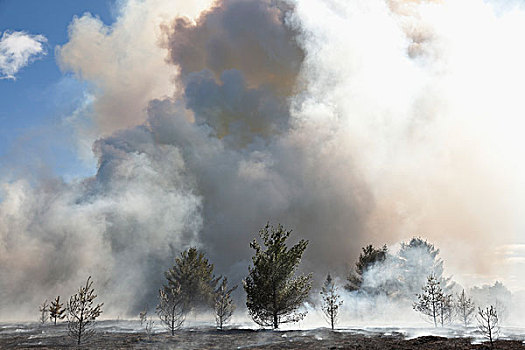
(17, 50)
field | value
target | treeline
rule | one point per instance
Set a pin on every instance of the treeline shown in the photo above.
(275, 293)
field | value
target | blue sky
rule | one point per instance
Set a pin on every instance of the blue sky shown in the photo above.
(34, 104)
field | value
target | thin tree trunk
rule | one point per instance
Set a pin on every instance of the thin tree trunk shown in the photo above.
(81, 320)
(490, 332)
(275, 319)
(434, 313)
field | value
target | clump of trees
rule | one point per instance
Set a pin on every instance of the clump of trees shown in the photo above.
(192, 284)
(418, 259)
(82, 312)
(368, 257)
(399, 275)
(273, 292)
(497, 295)
(331, 301)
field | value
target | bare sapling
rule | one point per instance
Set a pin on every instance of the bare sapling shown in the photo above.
(44, 309)
(488, 323)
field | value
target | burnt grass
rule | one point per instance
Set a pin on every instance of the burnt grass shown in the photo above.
(33, 336)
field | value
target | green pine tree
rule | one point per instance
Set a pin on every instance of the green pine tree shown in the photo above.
(274, 293)
(193, 275)
(367, 258)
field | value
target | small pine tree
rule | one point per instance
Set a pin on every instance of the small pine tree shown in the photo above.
(56, 310)
(464, 308)
(488, 323)
(446, 309)
(44, 309)
(331, 300)
(224, 306)
(273, 293)
(171, 310)
(82, 313)
(194, 275)
(428, 301)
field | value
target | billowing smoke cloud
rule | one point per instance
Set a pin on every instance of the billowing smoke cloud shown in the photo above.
(17, 50)
(351, 122)
(124, 62)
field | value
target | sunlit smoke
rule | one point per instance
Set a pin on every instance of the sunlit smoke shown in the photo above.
(351, 122)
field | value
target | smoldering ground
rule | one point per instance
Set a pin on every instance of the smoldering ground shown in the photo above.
(125, 334)
(352, 122)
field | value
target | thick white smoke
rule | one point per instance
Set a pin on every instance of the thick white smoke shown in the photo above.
(352, 122)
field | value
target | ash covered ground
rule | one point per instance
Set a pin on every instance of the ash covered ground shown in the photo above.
(131, 335)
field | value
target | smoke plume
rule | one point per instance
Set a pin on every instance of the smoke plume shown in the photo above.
(351, 122)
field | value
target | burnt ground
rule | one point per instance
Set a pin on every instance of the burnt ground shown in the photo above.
(108, 336)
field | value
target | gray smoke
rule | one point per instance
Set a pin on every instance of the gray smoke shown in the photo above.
(339, 119)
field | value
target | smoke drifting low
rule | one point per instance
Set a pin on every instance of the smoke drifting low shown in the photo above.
(352, 122)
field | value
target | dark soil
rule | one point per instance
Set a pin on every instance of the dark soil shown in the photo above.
(55, 337)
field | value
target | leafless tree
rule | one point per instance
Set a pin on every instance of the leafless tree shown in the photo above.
(149, 326)
(488, 323)
(465, 308)
(171, 308)
(44, 309)
(331, 300)
(143, 316)
(82, 312)
(57, 310)
(224, 306)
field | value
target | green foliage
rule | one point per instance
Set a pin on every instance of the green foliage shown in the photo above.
(367, 258)
(192, 274)
(331, 300)
(224, 306)
(57, 310)
(82, 313)
(273, 291)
